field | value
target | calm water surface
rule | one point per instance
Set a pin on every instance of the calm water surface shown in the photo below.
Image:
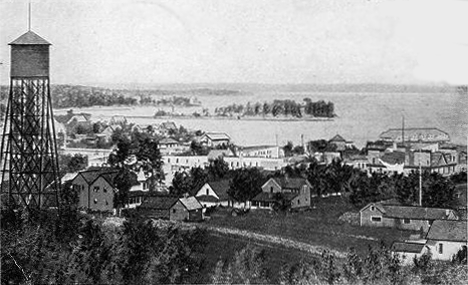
(361, 116)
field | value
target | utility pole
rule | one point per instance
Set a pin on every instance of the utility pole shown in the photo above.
(420, 179)
(403, 130)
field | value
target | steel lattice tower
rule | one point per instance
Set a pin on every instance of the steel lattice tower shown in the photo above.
(29, 162)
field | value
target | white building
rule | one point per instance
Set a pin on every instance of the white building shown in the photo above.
(266, 151)
(445, 238)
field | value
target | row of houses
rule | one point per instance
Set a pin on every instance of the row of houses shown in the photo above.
(96, 188)
(444, 239)
(441, 231)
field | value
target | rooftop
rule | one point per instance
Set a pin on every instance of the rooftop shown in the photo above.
(337, 138)
(191, 203)
(93, 173)
(217, 136)
(448, 230)
(30, 38)
(220, 187)
(407, 247)
(270, 197)
(416, 134)
(159, 202)
(168, 141)
(290, 183)
(413, 212)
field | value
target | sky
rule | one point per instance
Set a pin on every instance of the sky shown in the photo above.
(245, 41)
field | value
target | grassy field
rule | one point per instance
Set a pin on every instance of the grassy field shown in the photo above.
(224, 247)
(319, 226)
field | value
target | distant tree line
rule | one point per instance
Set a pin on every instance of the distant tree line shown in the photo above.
(66, 96)
(280, 108)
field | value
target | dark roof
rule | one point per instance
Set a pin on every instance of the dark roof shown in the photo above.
(94, 173)
(447, 230)
(270, 197)
(414, 212)
(30, 38)
(290, 183)
(407, 247)
(256, 147)
(395, 157)
(220, 187)
(159, 202)
(169, 125)
(337, 138)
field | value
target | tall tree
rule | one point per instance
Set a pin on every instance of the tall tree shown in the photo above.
(218, 169)
(245, 184)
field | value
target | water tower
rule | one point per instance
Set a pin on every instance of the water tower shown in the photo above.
(29, 165)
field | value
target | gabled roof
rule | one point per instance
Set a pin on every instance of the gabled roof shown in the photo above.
(412, 212)
(191, 203)
(407, 247)
(159, 202)
(448, 231)
(337, 138)
(168, 141)
(290, 183)
(30, 38)
(217, 136)
(93, 173)
(220, 187)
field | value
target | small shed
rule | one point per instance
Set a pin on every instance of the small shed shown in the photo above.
(187, 209)
(172, 208)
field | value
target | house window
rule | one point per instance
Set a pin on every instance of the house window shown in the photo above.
(107, 203)
(406, 221)
(271, 189)
(298, 201)
(173, 210)
(96, 189)
(168, 160)
(376, 219)
(145, 185)
(207, 191)
(104, 190)
(372, 208)
(441, 248)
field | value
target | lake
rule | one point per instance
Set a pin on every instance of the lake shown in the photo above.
(361, 116)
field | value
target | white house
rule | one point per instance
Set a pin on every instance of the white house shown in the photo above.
(445, 238)
(215, 139)
(214, 194)
(408, 250)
